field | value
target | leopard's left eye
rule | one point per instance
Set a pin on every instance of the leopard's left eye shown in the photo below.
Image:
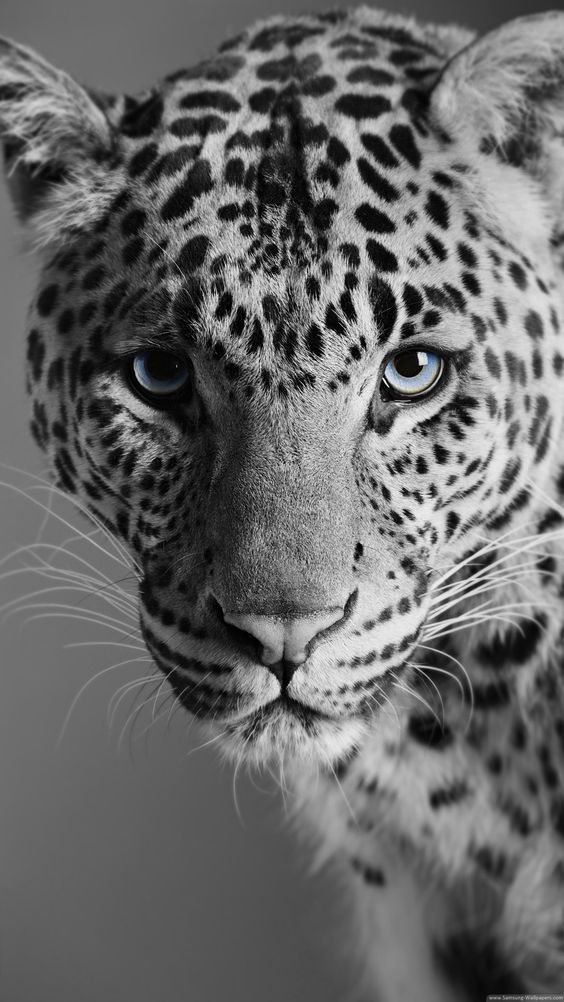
(412, 374)
(159, 375)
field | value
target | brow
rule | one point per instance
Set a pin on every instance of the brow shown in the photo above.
(156, 323)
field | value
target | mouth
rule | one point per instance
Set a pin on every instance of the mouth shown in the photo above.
(284, 712)
(294, 708)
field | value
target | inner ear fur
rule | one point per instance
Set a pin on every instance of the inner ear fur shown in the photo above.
(58, 145)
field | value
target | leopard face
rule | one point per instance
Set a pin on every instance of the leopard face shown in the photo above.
(296, 343)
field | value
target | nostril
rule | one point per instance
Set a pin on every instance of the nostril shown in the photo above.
(267, 630)
(284, 639)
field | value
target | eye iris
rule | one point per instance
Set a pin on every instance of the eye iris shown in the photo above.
(412, 373)
(160, 372)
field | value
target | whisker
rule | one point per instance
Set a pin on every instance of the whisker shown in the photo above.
(123, 691)
(63, 521)
(421, 670)
(416, 695)
(86, 686)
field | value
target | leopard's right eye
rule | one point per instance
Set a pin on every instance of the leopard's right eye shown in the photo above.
(412, 374)
(159, 376)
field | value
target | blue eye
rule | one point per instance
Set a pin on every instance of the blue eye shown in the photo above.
(159, 374)
(414, 373)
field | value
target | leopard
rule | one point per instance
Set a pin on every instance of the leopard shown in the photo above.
(296, 343)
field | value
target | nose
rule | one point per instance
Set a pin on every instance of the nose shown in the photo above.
(283, 640)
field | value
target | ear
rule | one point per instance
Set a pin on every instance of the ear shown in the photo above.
(58, 144)
(508, 89)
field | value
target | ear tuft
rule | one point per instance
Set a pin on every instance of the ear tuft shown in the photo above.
(58, 144)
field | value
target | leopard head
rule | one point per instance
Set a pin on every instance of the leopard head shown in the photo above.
(296, 342)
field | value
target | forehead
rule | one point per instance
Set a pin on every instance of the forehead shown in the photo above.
(293, 181)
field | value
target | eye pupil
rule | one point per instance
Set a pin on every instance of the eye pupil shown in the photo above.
(161, 366)
(410, 363)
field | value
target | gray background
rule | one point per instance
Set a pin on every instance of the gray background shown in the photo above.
(127, 874)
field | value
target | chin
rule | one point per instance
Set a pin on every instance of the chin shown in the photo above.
(284, 731)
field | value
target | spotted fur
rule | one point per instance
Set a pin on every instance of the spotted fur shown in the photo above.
(322, 193)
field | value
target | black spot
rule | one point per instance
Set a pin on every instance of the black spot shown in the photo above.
(262, 100)
(318, 86)
(132, 222)
(370, 874)
(557, 815)
(347, 306)
(142, 117)
(453, 521)
(534, 325)
(437, 247)
(315, 341)
(373, 220)
(449, 796)
(333, 321)
(492, 363)
(193, 254)
(403, 139)
(412, 299)
(270, 309)
(323, 213)
(431, 318)
(173, 162)
(218, 100)
(384, 308)
(437, 209)
(379, 149)
(256, 339)
(237, 325)
(313, 287)
(337, 152)
(517, 645)
(224, 306)
(228, 213)
(202, 126)
(382, 258)
(518, 274)
(351, 253)
(361, 106)
(197, 182)
(143, 159)
(376, 181)
(500, 311)
(370, 75)
(467, 255)
(427, 730)
(93, 278)
(391, 33)
(471, 283)
(234, 172)
(65, 322)
(35, 354)
(47, 300)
